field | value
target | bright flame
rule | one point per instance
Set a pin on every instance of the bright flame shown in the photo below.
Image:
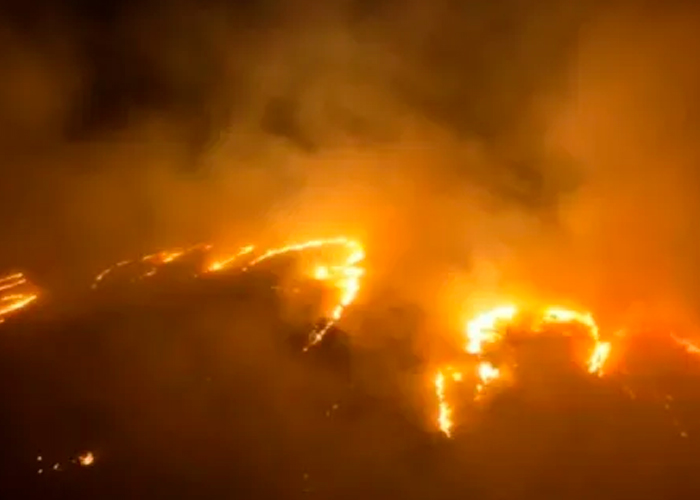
(444, 419)
(561, 315)
(218, 265)
(86, 459)
(157, 259)
(601, 351)
(487, 373)
(166, 257)
(12, 299)
(487, 328)
(346, 277)
(444, 416)
(483, 328)
(322, 273)
(598, 358)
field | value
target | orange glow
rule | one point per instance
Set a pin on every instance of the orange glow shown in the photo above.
(444, 419)
(156, 260)
(598, 358)
(686, 344)
(221, 264)
(345, 277)
(321, 273)
(489, 328)
(12, 298)
(86, 459)
(487, 373)
(483, 328)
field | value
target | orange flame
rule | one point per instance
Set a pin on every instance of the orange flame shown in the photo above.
(13, 300)
(444, 419)
(487, 328)
(219, 265)
(346, 277)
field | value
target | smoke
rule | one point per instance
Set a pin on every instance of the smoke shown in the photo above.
(144, 125)
(480, 150)
(629, 123)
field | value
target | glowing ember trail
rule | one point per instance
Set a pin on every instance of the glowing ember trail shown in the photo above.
(155, 260)
(11, 298)
(219, 265)
(346, 277)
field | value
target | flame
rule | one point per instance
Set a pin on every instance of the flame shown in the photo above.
(601, 350)
(483, 328)
(86, 459)
(486, 373)
(12, 281)
(561, 315)
(346, 277)
(219, 265)
(322, 273)
(598, 358)
(444, 419)
(156, 260)
(488, 328)
(13, 300)
(444, 416)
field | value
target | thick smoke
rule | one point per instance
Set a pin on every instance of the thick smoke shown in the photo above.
(629, 124)
(478, 149)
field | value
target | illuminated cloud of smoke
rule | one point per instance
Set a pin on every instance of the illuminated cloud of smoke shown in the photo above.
(503, 146)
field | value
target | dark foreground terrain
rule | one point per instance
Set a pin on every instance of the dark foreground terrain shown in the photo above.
(200, 390)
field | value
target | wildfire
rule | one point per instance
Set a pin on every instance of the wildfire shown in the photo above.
(444, 418)
(155, 260)
(219, 265)
(598, 358)
(487, 373)
(345, 277)
(488, 328)
(601, 350)
(11, 299)
(484, 328)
